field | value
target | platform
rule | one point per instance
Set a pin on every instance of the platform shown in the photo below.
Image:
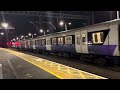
(39, 68)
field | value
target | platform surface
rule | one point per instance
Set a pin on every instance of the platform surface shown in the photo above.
(39, 68)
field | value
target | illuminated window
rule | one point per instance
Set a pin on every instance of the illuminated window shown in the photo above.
(97, 37)
(43, 42)
(78, 39)
(60, 40)
(48, 42)
(83, 38)
(68, 40)
(54, 41)
(36, 42)
(39, 42)
(33, 42)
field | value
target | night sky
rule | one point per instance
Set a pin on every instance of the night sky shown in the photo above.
(23, 27)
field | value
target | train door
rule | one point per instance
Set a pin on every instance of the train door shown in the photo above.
(25, 44)
(33, 44)
(77, 42)
(48, 44)
(84, 45)
(28, 44)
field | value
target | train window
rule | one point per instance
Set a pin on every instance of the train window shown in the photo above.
(101, 35)
(68, 40)
(43, 42)
(36, 42)
(48, 42)
(54, 41)
(78, 39)
(30, 42)
(83, 38)
(60, 40)
(97, 37)
(33, 42)
(39, 42)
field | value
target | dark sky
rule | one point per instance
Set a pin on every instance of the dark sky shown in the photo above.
(22, 27)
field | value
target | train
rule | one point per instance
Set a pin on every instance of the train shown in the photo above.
(98, 43)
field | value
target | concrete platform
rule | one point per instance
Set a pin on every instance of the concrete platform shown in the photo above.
(14, 67)
(1, 76)
(41, 68)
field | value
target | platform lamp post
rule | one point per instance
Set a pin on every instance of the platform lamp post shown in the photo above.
(62, 23)
(1, 35)
(118, 15)
(29, 34)
(43, 31)
(6, 26)
(23, 37)
(26, 36)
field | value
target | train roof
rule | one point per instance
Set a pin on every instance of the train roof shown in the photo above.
(85, 27)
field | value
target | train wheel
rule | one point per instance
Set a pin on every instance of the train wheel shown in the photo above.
(100, 61)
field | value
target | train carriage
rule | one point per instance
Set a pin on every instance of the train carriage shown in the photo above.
(99, 40)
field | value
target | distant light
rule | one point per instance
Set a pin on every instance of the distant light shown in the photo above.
(22, 36)
(5, 25)
(11, 40)
(29, 34)
(47, 30)
(2, 33)
(34, 33)
(69, 23)
(14, 39)
(61, 23)
(26, 36)
(17, 38)
(41, 30)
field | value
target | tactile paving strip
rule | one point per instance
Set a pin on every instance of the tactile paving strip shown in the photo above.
(59, 70)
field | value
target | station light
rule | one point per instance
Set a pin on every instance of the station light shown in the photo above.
(29, 34)
(22, 37)
(34, 33)
(47, 30)
(61, 23)
(17, 38)
(5, 25)
(69, 23)
(41, 30)
(2, 33)
(14, 39)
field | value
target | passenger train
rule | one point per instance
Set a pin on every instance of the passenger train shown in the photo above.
(99, 42)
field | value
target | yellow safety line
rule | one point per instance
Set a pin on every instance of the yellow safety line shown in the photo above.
(40, 67)
(82, 75)
(60, 66)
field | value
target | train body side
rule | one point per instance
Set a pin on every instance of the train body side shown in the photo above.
(101, 39)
